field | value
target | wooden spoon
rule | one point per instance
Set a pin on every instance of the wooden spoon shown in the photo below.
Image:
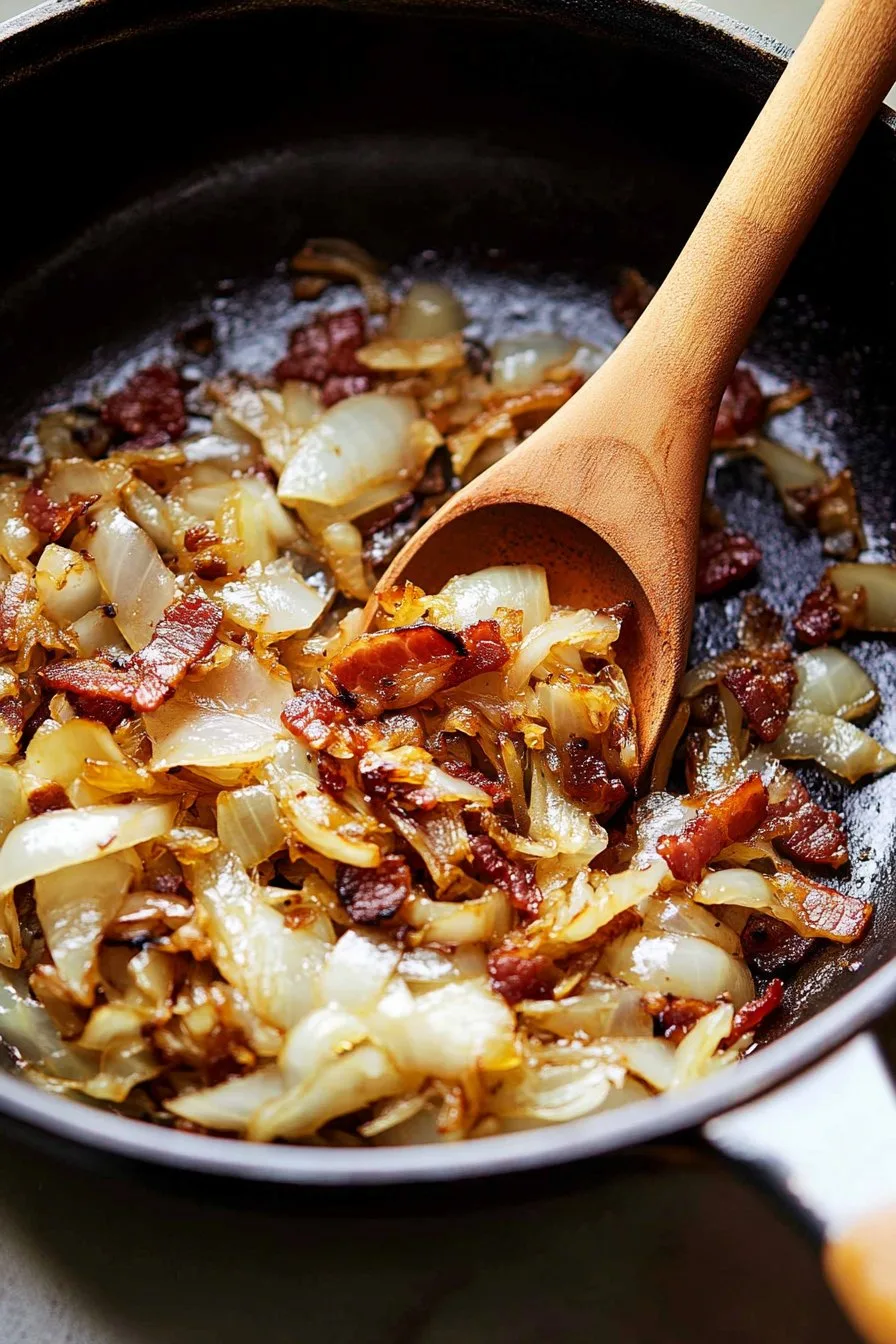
(606, 495)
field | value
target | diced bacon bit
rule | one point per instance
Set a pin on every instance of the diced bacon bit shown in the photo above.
(185, 634)
(149, 407)
(401, 667)
(332, 779)
(753, 1014)
(770, 945)
(725, 817)
(210, 564)
(372, 894)
(764, 695)
(47, 798)
(825, 615)
(318, 717)
(806, 831)
(323, 352)
(724, 558)
(198, 537)
(742, 407)
(587, 780)
(832, 507)
(12, 714)
(630, 297)
(675, 1016)
(512, 876)
(112, 713)
(51, 517)
(516, 975)
(460, 770)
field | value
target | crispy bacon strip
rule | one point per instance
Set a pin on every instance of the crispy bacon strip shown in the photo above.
(51, 517)
(392, 669)
(490, 864)
(724, 558)
(517, 976)
(821, 911)
(804, 830)
(725, 817)
(372, 894)
(587, 779)
(764, 694)
(753, 1014)
(770, 945)
(185, 634)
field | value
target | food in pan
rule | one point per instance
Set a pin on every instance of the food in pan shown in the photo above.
(268, 872)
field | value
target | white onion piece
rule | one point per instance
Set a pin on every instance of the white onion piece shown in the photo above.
(446, 1032)
(132, 574)
(477, 597)
(97, 633)
(81, 476)
(556, 821)
(451, 923)
(231, 716)
(273, 601)
(18, 539)
(28, 1028)
(670, 963)
(74, 906)
(574, 914)
(273, 965)
(879, 583)
(650, 1058)
(230, 1106)
(428, 310)
(60, 839)
(360, 442)
(350, 1079)
(788, 470)
(414, 766)
(66, 583)
(150, 511)
(839, 746)
(679, 914)
(218, 450)
(13, 807)
(249, 823)
(693, 1056)
(830, 682)
(565, 629)
(261, 415)
(617, 1010)
(357, 971)
(555, 1085)
(522, 362)
(426, 967)
(59, 754)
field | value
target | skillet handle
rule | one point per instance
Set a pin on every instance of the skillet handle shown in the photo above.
(826, 1142)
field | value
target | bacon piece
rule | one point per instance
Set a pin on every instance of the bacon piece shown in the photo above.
(760, 630)
(51, 517)
(822, 910)
(324, 352)
(825, 615)
(48, 797)
(372, 894)
(515, 975)
(587, 779)
(674, 1015)
(460, 770)
(317, 717)
(724, 558)
(764, 695)
(12, 714)
(490, 864)
(770, 945)
(332, 780)
(149, 407)
(742, 407)
(401, 667)
(725, 817)
(832, 507)
(753, 1014)
(804, 830)
(200, 536)
(630, 297)
(97, 707)
(185, 634)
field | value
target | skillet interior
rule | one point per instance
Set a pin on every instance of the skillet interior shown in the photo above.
(533, 159)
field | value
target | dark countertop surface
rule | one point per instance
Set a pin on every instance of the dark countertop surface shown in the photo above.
(665, 1246)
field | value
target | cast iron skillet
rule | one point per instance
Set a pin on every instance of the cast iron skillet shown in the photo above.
(157, 148)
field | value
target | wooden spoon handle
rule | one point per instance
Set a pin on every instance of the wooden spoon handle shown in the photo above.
(861, 1270)
(698, 323)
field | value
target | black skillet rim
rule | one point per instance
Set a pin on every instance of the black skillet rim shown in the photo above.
(503, 1154)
